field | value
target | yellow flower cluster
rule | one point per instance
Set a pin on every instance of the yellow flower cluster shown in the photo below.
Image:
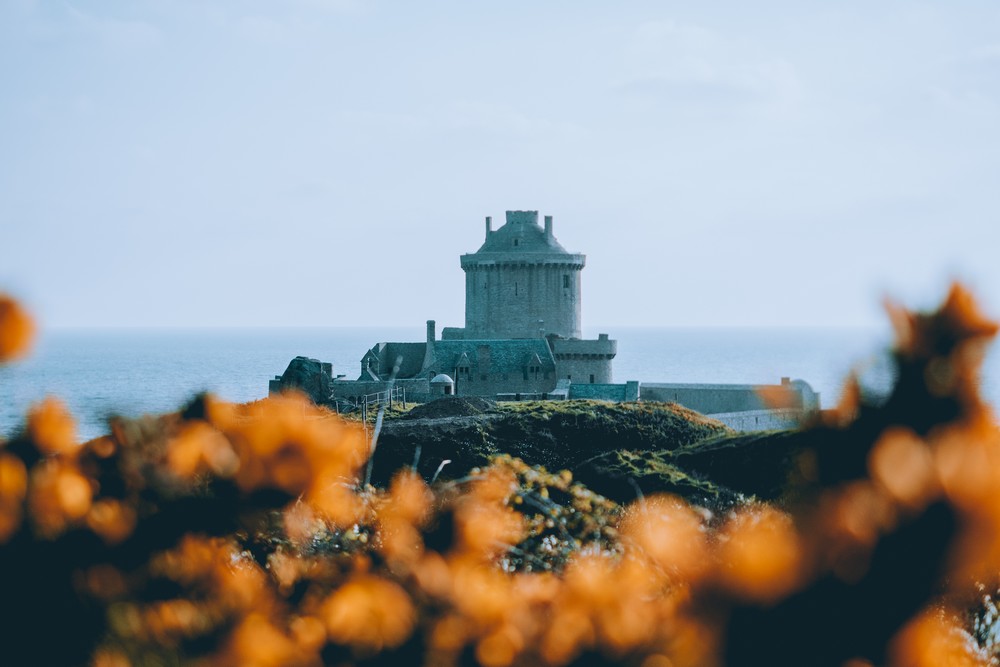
(243, 535)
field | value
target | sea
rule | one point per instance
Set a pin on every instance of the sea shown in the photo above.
(99, 373)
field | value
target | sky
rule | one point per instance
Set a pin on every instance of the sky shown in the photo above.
(200, 163)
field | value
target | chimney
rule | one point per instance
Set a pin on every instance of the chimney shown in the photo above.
(429, 348)
(548, 226)
(489, 225)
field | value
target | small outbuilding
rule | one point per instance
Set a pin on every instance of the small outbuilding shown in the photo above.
(442, 385)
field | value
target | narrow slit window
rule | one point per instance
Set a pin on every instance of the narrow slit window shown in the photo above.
(565, 281)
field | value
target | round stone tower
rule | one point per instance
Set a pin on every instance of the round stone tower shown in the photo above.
(521, 283)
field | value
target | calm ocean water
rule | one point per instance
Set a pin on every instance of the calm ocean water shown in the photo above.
(132, 372)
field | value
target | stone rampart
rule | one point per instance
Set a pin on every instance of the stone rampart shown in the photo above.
(761, 420)
(712, 399)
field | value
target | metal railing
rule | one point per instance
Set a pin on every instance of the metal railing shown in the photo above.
(390, 396)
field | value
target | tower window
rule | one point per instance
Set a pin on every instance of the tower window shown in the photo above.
(565, 281)
(591, 378)
(515, 242)
(515, 289)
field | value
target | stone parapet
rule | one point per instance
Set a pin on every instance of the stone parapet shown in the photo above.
(601, 348)
(497, 260)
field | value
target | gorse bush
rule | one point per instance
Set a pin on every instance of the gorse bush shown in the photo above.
(245, 535)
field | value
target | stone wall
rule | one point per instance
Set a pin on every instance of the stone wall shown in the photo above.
(606, 392)
(705, 398)
(761, 420)
(519, 382)
(713, 399)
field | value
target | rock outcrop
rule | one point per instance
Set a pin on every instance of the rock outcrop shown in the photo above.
(310, 376)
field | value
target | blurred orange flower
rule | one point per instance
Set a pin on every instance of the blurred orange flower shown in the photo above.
(760, 554)
(17, 329)
(52, 427)
(667, 530)
(58, 495)
(369, 613)
(934, 640)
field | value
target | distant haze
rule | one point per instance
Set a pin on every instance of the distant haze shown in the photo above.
(325, 162)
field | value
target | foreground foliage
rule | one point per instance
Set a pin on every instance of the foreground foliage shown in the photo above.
(247, 535)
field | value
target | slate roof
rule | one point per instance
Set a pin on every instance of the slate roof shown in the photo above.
(412, 354)
(506, 356)
(411, 359)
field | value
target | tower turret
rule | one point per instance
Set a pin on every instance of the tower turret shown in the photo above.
(519, 276)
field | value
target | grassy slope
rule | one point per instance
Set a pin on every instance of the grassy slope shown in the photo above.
(617, 449)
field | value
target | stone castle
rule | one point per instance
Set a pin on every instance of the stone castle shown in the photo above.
(522, 329)
(522, 339)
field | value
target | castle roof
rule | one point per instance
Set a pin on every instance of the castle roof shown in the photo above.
(486, 356)
(382, 358)
(520, 239)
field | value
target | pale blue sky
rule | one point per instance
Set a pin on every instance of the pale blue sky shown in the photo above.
(325, 162)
